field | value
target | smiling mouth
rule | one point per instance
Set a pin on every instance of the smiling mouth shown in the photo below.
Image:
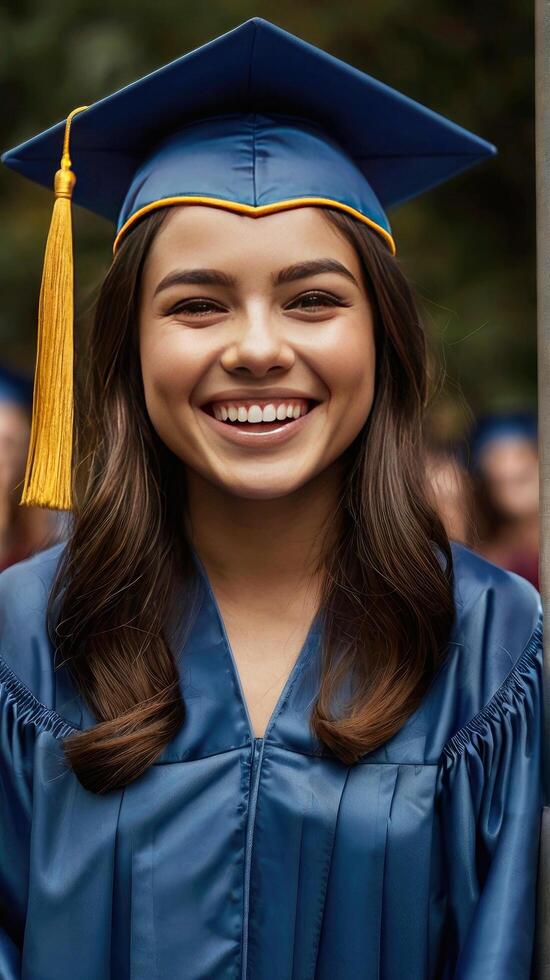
(259, 426)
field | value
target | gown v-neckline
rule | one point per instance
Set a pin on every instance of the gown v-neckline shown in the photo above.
(294, 671)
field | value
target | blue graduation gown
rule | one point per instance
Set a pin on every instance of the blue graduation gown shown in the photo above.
(240, 857)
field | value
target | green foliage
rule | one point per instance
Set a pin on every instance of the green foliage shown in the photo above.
(469, 246)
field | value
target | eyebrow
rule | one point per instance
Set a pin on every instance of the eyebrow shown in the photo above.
(214, 277)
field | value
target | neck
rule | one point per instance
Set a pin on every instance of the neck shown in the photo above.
(246, 543)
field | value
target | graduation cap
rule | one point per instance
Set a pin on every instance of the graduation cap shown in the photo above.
(255, 121)
(501, 425)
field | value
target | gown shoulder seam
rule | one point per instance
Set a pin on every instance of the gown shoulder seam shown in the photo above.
(34, 712)
(498, 702)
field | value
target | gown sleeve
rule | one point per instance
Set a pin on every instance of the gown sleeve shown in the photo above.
(16, 739)
(24, 716)
(491, 800)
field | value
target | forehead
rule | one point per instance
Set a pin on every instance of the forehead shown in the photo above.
(207, 235)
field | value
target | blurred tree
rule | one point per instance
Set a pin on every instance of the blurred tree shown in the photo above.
(468, 246)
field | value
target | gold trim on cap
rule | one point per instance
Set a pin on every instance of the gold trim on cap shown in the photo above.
(252, 211)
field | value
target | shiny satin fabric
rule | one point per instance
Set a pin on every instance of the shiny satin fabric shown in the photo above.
(255, 117)
(253, 159)
(238, 857)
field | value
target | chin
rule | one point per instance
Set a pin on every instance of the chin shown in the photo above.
(262, 489)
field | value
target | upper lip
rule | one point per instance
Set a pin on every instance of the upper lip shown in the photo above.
(234, 396)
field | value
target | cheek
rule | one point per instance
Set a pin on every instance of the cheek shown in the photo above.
(170, 366)
(351, 368)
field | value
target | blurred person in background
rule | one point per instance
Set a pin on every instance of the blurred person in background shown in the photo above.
(505, 472)
(450, 488)
(23, 530)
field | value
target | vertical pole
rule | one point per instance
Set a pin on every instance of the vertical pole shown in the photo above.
(542, 82)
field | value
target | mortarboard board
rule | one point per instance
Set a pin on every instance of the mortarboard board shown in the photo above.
(254, 121)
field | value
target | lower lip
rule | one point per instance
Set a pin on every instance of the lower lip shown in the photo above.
(259, 440)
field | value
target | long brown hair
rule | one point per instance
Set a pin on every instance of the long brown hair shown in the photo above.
(387, 598)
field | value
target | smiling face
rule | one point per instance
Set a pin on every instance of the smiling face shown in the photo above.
(238, 312)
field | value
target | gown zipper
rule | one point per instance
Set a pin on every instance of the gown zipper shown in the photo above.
(257, 753)
(257, 743)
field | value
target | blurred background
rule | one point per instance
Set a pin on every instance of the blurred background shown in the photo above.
(468, 247)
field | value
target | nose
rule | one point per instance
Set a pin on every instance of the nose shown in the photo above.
(258, 346)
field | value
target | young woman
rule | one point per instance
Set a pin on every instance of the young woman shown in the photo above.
(260, 718)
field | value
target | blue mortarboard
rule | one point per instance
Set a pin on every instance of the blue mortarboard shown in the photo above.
(255, 121)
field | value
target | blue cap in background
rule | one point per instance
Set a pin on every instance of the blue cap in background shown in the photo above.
(15, 387)
(501, 425)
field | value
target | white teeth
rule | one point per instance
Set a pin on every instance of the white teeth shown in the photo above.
(269, 414)
(254, 413)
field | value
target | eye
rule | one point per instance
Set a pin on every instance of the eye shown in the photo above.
(195, 307)
(315, 299)
(202, 307)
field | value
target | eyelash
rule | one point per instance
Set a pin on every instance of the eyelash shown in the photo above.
(328, 300)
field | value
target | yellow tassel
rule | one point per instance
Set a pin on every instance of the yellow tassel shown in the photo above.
(48, 477)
